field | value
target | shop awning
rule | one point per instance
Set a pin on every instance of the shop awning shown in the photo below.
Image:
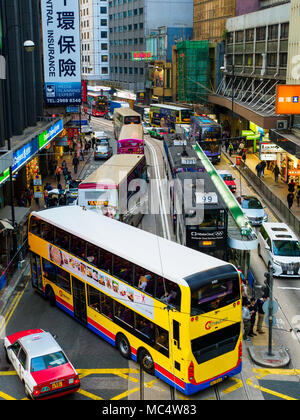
(4, 225)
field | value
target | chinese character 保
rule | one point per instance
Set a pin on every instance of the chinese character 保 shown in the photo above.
(67, 68)
(66, 43)
(66, 20)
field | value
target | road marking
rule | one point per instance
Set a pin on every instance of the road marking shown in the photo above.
(6, 396)
(88, 394)
(289, 288)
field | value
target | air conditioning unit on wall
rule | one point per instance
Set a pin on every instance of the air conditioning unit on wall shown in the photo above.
(281, 124)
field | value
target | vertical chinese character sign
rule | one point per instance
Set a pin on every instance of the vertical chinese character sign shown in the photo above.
(61, 41)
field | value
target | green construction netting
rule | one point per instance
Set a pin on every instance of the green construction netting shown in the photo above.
(193, 71)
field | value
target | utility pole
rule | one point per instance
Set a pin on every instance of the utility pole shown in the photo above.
(270, 314)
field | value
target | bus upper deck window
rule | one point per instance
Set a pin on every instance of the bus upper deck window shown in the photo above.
(47, 232)
(35, 226)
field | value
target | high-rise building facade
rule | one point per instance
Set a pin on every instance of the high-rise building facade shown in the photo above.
(130, 22)
(210, 18)
(94, 39)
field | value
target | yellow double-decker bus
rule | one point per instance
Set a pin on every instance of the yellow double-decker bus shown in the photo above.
(175, 311)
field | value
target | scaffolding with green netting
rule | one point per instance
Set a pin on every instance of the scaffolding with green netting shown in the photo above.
(193, 71)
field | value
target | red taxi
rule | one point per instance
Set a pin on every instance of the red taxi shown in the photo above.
(41, 364)
(228, 179)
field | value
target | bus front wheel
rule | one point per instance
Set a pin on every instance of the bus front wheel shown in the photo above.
(123, 346)
(146, 362)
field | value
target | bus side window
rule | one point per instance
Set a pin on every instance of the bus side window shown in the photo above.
(47, 232)
(92, 254)
(77, 247)
(62, 239)
(106, 304)
(106, 261)
(162, 338)
(145, 327)
(122, 269)
(35, 226)
(49, 271)
(63, 279)
(93, 298)
(124, 314)
(144, 280)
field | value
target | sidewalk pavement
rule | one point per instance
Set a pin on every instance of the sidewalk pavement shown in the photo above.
(280, 188)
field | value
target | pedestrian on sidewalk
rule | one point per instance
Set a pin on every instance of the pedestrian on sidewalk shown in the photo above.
(230, 148)
(258, 169)
(276, 171)
(298, 195)
(244, 156)
(75, 163)
(246, 320)
(292, 186)
(46, 197)
(263, 167)
(58, 173)
(260, 314)
(290, 199)
(253, 311)
(29, 196)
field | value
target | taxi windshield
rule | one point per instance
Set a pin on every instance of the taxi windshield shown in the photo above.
(48, 361)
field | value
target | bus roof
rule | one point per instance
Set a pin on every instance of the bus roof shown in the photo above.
(131, 131)
(114, 170)
(154, 253)
(204, 121)
(126, 112)
(175, 108)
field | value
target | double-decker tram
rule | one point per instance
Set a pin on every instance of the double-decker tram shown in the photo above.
(117, 189)
(200, 215)
(172, 309)
(131, 140)
(208, 134)
(96, 105)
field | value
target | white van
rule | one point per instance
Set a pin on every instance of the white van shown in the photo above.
(279, 248)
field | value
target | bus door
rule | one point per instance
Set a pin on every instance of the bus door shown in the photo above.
(36, 272)
(176, 345)
(79, 300)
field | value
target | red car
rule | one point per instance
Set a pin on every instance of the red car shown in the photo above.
(41, 364)
(228, 179)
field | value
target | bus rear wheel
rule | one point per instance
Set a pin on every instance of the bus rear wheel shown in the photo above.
(146, 362)
(123, 346)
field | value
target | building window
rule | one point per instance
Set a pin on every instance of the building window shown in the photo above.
(272, 59)
(103, 22)
(283, 60)
(261, 33)
(284, 32)
(249, 35)
(248, 60)
(104, 70)
(239, 36)
(103, 10)
(230, 38)
(272, 32)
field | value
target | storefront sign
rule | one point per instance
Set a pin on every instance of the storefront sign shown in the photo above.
(37, 180)
(250, 135)
(268, 156)
(61, 41)
(294, 172)
(288, 99)
(49, 134)
(270, 148)
(23, 155)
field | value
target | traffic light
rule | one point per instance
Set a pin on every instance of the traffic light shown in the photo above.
(267, 283)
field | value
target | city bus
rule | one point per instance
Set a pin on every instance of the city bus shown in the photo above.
(131, 139)
(96, 105)
(124, 116)
(200, 215)
(162, 115)
(117, 189)
(208, 134)
(175, 311)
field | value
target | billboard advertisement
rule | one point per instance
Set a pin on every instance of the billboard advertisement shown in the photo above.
(61, 42)
(288, 99)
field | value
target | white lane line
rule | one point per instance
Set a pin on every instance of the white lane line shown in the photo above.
(289, 288)
(163, 212)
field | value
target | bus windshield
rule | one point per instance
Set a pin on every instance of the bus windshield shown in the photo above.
(214, 295)
(186, 114)
(132, 119)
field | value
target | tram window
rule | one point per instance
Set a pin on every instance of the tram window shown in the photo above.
(47, 232)
(144, 280)
(77, 247)
(106, 306)
(124, 314)
(63, 279)
(93, 298)
(92, 254)
(145, 327)
(35, 226)
(210, 221)
(61, 239)
(122, 269)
